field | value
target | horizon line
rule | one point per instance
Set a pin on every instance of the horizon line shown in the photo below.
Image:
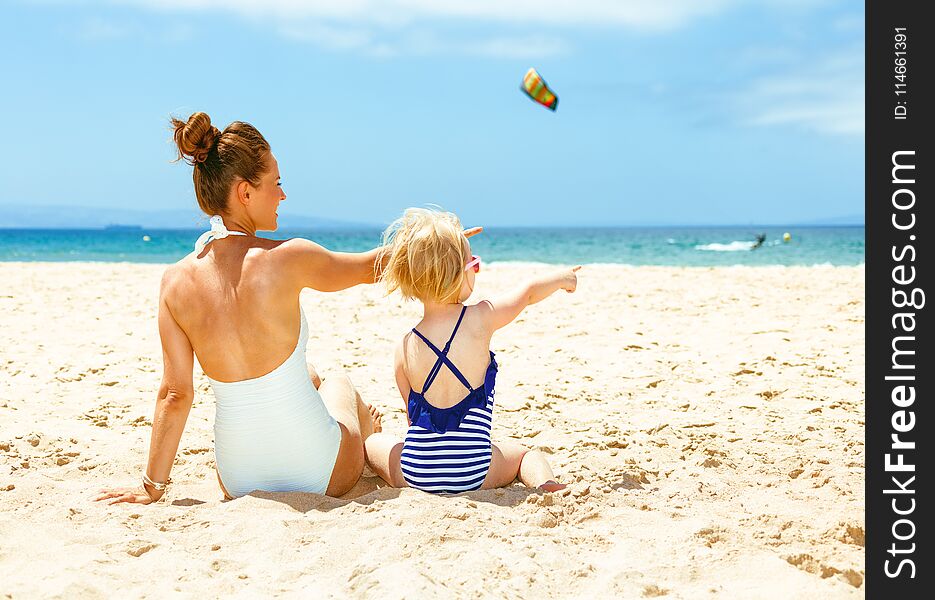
(123, 228)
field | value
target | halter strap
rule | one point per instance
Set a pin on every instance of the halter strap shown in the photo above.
(218, 232)
(443, 357)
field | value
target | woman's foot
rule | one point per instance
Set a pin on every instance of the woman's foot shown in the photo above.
(376, 417)
(552, 486)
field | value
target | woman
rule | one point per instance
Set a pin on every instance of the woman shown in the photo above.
(234, 303)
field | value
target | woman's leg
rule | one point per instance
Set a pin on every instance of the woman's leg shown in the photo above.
(357, 422)
(220, 483)
(383, 452)
(510, 460)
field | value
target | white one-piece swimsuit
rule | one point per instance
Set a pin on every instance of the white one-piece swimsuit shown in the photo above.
(274, 433)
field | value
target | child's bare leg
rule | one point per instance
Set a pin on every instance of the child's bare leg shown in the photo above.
(505, 460)
(535, 471)
(383, 453)
(510, 460)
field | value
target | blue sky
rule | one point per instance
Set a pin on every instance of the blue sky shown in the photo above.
(678, 112)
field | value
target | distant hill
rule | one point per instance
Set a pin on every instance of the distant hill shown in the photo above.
(86, 217)
(20, 216)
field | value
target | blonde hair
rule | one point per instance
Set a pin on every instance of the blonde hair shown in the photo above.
(427, 254)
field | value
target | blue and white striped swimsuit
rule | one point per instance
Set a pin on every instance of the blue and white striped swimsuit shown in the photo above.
(447, 450)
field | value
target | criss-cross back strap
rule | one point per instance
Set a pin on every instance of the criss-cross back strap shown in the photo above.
(443, 358)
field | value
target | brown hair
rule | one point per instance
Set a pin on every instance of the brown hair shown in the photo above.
(425, 255)
(220, 158)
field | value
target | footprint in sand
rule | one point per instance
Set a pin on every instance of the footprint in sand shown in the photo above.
(97, 419)
(189, 451)
(40, 450)
(137, 548)
(810, 564)
(710, 535)
(100, 416)
(68, 373)
(653, 591)
(848, 533)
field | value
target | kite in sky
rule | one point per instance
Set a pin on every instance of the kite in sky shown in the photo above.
(536, 88)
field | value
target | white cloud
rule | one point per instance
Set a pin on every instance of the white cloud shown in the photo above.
(826, 98)
(337, 38)
(638, 14)
(426, 43)
(853, 23)
(533, 46)
(386, 28)
(98, 29)
(423, 42)
(526, 29)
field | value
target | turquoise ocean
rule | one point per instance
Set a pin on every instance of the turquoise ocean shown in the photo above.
(669, 246)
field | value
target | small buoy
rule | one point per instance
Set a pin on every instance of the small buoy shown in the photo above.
(146, 238)
(786, 237)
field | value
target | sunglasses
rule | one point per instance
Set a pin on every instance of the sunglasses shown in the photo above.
(474, 263)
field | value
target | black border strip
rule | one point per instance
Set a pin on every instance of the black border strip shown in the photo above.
(899, 266)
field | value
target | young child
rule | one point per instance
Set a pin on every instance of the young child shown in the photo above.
(445, 370)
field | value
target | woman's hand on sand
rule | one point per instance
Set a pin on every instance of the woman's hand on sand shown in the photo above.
(132, 495)
(570, 279)
(472, 231)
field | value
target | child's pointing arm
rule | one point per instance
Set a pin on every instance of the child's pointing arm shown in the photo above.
(506, 307)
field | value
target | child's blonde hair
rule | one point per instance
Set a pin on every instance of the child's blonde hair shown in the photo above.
(427, 254)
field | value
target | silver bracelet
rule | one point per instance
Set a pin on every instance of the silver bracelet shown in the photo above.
(157, 486)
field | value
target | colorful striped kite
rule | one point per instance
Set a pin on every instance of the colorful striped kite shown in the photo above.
(536, 88)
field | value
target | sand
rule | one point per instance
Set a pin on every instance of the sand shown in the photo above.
(709, 421)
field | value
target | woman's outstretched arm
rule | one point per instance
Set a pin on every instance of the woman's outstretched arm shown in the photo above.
(173, 403)
(314, 266)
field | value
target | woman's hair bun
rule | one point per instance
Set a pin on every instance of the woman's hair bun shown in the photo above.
(195, 138)
(240, 153)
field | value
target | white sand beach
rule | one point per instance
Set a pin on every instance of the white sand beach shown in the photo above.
(709, 422)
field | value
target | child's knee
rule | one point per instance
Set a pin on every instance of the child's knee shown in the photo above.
(517, 447)
(512, 450)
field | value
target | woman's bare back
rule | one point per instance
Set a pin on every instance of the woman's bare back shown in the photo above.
(239, 311)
